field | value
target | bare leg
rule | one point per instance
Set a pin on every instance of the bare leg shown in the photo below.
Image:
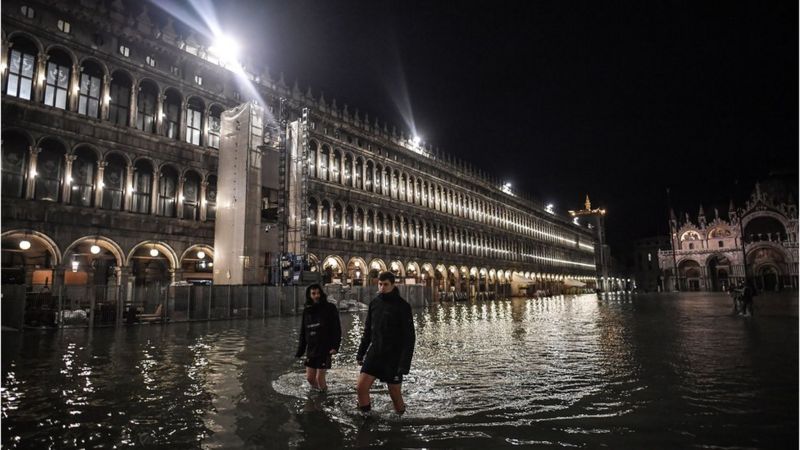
(397, 397)
(321, 384)
(311, 376)
(363, 386)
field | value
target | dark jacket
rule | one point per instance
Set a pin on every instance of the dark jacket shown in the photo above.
(389, 332)
(320, 329)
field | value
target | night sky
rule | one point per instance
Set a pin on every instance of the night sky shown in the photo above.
(616, 99)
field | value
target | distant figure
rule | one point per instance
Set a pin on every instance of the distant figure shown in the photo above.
(748, 292)
(736, 294)
(387, 345)
(320, 336)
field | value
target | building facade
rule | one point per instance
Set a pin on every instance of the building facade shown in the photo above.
(757, 241)
(110, 150)
(645, 263)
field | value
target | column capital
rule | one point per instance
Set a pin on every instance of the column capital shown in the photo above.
(70, 157)
(34, 150)
(102, 164)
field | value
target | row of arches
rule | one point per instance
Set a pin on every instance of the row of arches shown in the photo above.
(34, 258)
(85, 176)
(357, 172)
(344, 221)
(56, 77)
(443, 276)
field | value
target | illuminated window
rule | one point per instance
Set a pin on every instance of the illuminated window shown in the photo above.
(175, 70)
(150, 61)
(21, 65)
(64, 26)
(198, 80)
(124, 51)
(89, 93)
(28, 12)
(57, 81)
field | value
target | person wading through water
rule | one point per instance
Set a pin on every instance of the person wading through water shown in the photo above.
(320, 336)
(387, 345)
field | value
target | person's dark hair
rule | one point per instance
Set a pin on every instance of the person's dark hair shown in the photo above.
(323, 298)
(386, 276)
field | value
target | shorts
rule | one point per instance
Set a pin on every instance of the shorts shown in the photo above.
(387, 373)
(318, 362)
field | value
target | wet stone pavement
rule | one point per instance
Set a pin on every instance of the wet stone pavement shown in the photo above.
(620, 371)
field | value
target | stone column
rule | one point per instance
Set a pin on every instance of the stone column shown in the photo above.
(205, 127)
(319, 220)
(182, 122)
(179, 205)
(74, 88)
(160, 114)
(353, 173)
(30, 181)
(128, 203)
(40, 79)
(154, 191)
(67, 187)
(105, 93)
(331, 223)
(203, 206)
(317, 159)
(133, 108)
(98, 184)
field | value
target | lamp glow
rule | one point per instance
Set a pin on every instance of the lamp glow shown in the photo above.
(24, 244)
(95, 249)
(153, 252)
(201, 254)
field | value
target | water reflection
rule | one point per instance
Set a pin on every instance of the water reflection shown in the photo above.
(563, 371)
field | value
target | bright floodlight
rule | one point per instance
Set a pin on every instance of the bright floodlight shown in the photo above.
(225, 48)
(417, 140)
(550, 208)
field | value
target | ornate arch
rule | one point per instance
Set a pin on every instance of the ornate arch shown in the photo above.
(48, 242)
(162, 247)
(104, 242)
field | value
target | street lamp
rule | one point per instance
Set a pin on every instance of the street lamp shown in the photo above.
(24, 244)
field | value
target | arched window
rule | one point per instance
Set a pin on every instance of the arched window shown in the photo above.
(90, 88)
(336, 159)
(324, 221)
(313, 220)
(337, 221)
(172, 114)
(142, 187)
(21, 68)
(48, 171)
(348, 170)
(56, 91)
(191, 196)
(211, 198)
(369, 227)
(120, 102)
(15, 162)
(167, 192)
(214, 124)
(146, 108)
(349, 223)
(114, 183)
(368, 183)
(323, 162)
(358, 178)
(379, 229)
(83, 175)
(312, 159)
(194, 121)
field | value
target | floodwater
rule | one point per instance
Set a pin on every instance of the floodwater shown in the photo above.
(623, 371)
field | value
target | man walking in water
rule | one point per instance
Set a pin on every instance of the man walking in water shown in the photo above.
(387, 345)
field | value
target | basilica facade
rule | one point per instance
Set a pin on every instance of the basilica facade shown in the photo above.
(110, 141)
(757, 241)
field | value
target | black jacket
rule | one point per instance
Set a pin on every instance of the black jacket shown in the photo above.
(389, 332)
(320, 330)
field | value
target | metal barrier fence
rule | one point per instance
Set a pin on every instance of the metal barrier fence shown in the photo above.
(112, 305)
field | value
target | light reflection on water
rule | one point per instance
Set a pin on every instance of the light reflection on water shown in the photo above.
(621, 371)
